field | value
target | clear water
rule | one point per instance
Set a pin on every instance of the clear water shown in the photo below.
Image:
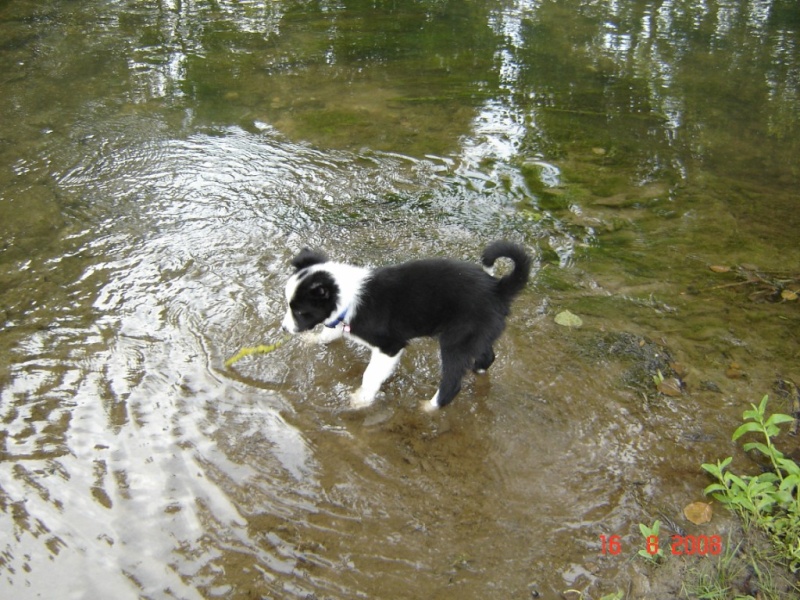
(160, 162)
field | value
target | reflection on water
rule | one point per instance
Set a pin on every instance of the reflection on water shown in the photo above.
(162, 161)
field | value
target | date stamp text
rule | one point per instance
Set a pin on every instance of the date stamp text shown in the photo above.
(680, 545)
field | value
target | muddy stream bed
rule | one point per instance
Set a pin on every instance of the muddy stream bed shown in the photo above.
(161, 162)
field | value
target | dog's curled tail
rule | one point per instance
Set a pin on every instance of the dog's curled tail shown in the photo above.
(511, 284)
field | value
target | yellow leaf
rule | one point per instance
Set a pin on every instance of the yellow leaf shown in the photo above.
(789, 295)
(567, 319)
(698, 512)
(255, 350)
(720, 269)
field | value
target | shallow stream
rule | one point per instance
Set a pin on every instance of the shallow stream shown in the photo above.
(161, 162)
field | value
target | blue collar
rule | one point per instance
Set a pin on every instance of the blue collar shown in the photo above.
(339, 319)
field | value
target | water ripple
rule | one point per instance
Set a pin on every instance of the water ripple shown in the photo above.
(117, 410)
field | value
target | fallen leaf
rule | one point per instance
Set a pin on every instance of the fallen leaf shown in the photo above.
(680, 369)
(670, 387)
(720, 269)
(698, 512)
(255, 350)
(617, 201)
(789, 295)
(735, 371)
(567, 319)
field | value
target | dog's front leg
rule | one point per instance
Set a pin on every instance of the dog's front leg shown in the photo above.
(380, 367)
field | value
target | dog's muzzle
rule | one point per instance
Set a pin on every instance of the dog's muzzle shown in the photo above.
(288, 323)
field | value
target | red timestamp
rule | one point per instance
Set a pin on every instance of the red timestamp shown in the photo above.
(680, 545)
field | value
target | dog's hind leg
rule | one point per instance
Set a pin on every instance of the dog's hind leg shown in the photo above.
(484, 357)
(484, 360)
(454, 365)
(379, 369)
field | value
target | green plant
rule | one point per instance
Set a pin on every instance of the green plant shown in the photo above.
(651, 552)
(658, 378)
(769, 500)
(715, 581)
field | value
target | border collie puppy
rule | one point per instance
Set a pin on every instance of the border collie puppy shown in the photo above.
(386, 307)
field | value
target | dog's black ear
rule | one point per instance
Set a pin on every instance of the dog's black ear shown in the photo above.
(308, 257)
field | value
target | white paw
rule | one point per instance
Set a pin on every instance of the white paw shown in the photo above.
(359, 399)
(432, 405)
(309, 339)
(326, 336)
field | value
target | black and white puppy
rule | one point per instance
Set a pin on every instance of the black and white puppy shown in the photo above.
(384, 308)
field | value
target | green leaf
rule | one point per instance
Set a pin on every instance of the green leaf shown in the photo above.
(756, 413)
(764, 505)
(758, 486)
(763, 448)
(743, 502)
(746, 428)
(717, 469)
(738, 481)
(769, 477)
(715, 487)
(778, 418)
(790, 482)
(776, 454)
(788, 465)
(722, 498)
(772, 431)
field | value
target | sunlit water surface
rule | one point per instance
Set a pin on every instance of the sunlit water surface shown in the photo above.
(161, 165)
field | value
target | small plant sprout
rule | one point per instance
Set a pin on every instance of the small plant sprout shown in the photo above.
(651, 552)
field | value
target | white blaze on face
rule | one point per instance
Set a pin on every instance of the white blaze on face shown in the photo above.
(348, 279)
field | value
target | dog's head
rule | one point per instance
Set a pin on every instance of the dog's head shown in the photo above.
(311, 293)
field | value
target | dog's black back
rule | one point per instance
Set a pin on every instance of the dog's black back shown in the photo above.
(457, 302)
